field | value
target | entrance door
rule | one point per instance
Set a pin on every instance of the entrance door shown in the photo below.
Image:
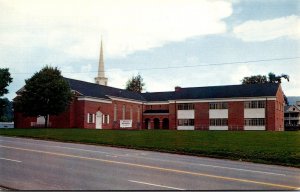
(156, 123)
(98, 120)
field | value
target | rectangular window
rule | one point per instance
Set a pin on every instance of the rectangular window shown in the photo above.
(185, 122)
(218, 122)
(138, 114)
(131, 112)
(185, 106)
(218, 105)
(90, 118)
(115, 112)
(123, 111)
(254, 104)
(254, 122)
(106, 119)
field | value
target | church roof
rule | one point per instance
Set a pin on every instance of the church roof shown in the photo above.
(215, 92)
(228, 91)
(101, 91)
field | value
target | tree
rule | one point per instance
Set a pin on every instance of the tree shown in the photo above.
(255, 79)
(277, 79)
(5, 80)
(45, 93)
(135, 83)
(272, 78)
(5, 105)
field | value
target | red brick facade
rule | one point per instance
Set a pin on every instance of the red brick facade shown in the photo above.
(235, 115)
(202, 116)
(77, 114)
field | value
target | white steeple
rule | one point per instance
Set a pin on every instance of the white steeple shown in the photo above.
(101, 79)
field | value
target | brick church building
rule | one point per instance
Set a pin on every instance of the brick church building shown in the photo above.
(233, 107)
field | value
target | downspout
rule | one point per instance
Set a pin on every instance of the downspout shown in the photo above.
(142, 111)
(176, 123)
(266, 114)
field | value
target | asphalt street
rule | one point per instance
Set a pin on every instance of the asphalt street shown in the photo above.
(29, 164)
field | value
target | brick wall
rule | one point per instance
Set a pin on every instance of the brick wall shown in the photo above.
(157, 107)
(236, 115)
(172, 116)
(21, 121)
(201, 116)
(279, 110)
(76, 115)
(136, 124)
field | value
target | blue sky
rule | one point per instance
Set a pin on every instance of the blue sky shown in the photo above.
(139, 36)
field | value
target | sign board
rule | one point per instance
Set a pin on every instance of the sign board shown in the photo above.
(125, 123)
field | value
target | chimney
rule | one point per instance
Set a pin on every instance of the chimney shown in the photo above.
(298, 103)
(177, 88)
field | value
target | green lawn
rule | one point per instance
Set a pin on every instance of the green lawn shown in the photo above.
(281, 148)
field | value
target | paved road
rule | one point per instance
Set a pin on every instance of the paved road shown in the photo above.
(32, 164)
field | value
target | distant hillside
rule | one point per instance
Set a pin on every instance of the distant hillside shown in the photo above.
(292, 100)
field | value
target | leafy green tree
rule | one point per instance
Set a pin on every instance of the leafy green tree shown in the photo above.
(255, 79)
(5, 105)
(135, 83)
(5, 80)
(277, 79)
(272, 78)
(45, 93)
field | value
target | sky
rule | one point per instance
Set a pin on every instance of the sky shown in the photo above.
(187, 43)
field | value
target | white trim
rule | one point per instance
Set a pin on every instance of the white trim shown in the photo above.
(98, 123)
(124, 99)
(218, 128)
(186, 127)
(93, 99)
(93, 118)
(186, 114)
(218, 113)
(157, 103)
(254, 128)
(254, 113)
(223, 100)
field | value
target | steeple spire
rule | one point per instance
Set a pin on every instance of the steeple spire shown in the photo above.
(101, 79)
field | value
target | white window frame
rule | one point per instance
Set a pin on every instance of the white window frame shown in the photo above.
(92, 116)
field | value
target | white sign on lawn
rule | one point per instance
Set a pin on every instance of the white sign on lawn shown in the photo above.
(125, 123)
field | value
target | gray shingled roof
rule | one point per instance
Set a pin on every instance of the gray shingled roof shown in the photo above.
(101, 91)
(228, 91)
(158, 96)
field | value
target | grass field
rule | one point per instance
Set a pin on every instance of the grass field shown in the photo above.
(281, 148)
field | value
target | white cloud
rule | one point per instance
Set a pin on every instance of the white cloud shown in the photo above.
(80, 74)
(75, 26)
(269, 29)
